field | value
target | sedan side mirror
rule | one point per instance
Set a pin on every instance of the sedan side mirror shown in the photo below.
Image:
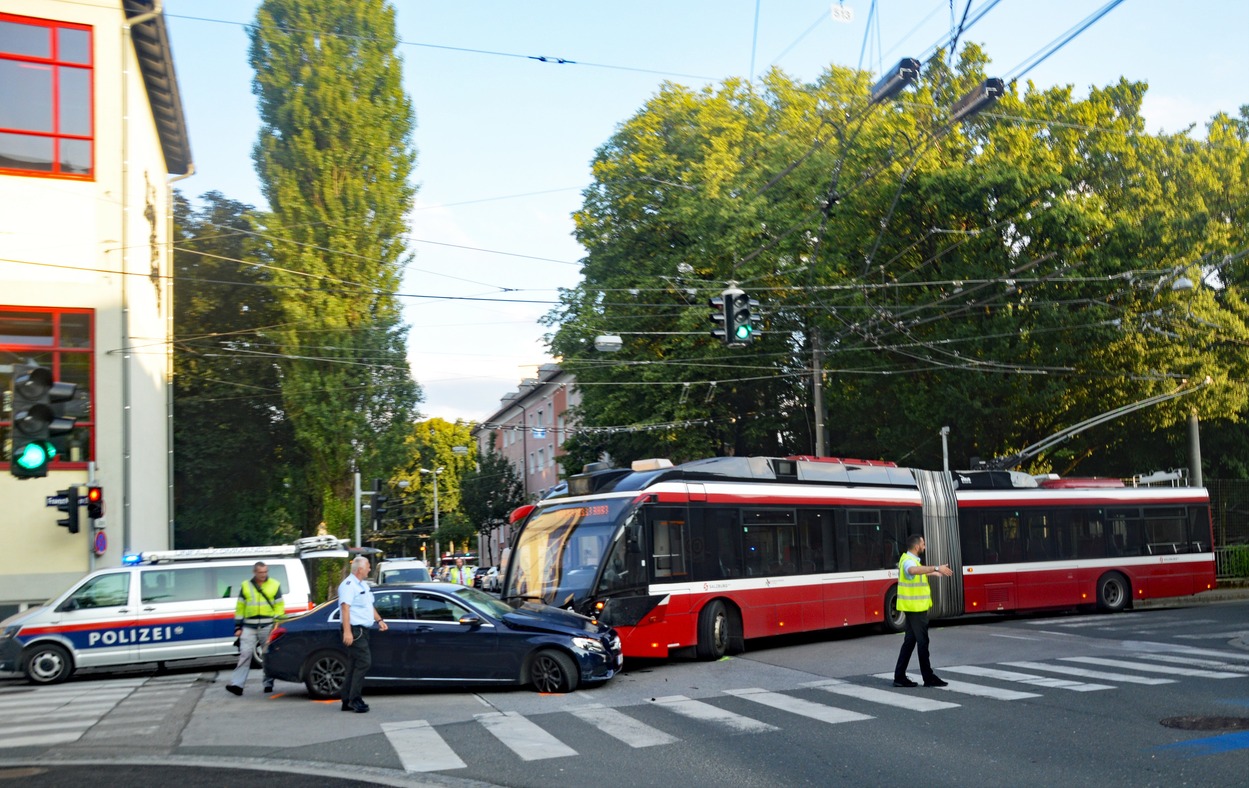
(470, 621)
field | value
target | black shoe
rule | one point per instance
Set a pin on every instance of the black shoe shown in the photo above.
(268, 688)
(233, 690)
(905, 682)
(360, 707)
(935, 682)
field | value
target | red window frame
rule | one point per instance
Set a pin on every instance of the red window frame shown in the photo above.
(56, 64)
(70, 354)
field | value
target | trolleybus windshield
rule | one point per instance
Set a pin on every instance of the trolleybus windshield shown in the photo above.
(558, 554)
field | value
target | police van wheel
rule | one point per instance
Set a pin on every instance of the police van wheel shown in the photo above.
(895, 620)
(324, 674)
(48, 663)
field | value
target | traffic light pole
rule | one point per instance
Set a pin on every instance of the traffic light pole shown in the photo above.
(359, 495)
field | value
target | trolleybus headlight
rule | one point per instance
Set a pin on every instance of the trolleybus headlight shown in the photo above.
(588, 644)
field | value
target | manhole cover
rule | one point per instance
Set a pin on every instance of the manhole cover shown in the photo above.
(1208, 723)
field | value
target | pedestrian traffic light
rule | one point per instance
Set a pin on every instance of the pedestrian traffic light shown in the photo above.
(379, 504)
(95, 505)
(67, 502)
(36, 419)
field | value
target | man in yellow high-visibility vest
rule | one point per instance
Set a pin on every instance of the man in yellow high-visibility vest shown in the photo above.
(915, 600)
(460, 573)
(260, 603)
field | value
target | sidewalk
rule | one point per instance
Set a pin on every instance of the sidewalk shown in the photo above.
(1228, 590)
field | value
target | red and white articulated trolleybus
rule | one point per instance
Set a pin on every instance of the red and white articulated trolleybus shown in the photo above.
(708, 554)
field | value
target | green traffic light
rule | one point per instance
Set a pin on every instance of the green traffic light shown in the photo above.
(35, 455)
(743, 331)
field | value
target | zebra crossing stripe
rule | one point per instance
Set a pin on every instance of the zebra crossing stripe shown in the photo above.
(1095, 621)
(977, 690)
(67, 737)
(1199, 663)
(66, 725)
(805, 708)
(523, 736)
(1175, 671)
(705, 712)
(1238, 633)
(24, 705)
(912, 701)
(1089, 674)
(1025, 678)
(420, 748)
(628, 730)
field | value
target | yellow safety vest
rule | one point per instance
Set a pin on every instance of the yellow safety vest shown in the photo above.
(254, 606)
(914, 595)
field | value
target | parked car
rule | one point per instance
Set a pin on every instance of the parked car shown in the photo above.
(440, 634)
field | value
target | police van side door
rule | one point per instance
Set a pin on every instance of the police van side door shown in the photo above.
(175, 617)
(97, 619)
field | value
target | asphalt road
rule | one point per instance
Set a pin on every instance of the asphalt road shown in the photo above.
(1034, 700)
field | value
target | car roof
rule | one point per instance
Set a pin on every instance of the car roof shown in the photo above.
(402, 562)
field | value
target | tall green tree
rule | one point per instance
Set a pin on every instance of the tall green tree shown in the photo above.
(235, 460)
(1007, 276)
(335, 157)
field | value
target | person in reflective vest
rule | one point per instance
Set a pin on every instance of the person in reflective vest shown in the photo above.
(915, 600)
(460, 573)
(260, 603)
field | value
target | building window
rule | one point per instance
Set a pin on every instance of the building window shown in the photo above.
(62, 341)
(46, 123)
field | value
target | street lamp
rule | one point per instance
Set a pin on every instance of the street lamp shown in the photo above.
(434, 473)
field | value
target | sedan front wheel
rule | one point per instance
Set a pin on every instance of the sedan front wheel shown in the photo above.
(553, 671)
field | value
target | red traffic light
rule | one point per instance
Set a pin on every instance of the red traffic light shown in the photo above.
(95, 502)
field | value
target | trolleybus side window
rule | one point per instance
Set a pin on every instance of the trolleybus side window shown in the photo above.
(815, 535)
(668, 542)
(716, 542)
(1199, 529)
(1090, 528)
(1127, 531)
(771, 541)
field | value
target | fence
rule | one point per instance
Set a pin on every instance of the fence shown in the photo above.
(1229, 508)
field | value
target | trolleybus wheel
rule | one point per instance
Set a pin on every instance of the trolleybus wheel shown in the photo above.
(553, 671)
(48, 663)
(894, 620)
(713, 631)
(1112, 592)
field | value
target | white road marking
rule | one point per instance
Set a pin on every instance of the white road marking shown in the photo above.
(705, 712)
(1067, 670)
(619, 726)
(1174, 671)
(912, 701)
(978, 690)
(1024, 678)
(523, 737)
(420, 748)
(804, 708)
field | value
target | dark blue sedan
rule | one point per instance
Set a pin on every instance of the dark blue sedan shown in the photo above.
(439, 635)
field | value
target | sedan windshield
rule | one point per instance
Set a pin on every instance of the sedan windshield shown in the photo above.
(558, 554)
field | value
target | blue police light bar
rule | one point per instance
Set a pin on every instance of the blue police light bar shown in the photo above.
(130, 559)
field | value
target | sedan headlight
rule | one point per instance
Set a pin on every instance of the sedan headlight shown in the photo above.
(588, 644)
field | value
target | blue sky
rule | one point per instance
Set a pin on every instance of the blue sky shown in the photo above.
(504, 141)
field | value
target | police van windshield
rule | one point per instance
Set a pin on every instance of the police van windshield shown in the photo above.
(558, 554)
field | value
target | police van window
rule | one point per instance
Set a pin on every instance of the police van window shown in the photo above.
(176, 584)
(102, 591)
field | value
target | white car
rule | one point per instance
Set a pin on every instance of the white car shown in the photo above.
(491, 579)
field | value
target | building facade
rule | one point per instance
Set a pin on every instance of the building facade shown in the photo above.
(529, 430)
(92, 135)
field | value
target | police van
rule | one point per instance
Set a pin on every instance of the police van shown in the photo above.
(159, 607)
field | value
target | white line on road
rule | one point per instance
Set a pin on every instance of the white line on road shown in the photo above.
(420, 748)
(619, 726)
(1175, 671)
(1067, 670)
(913, 701)
(1024, 678)
(705, 712)
(1197, 663)
(524, 737)
(805, 708)
(977, 690)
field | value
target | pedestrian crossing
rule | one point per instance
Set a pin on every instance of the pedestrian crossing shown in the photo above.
(421, 747)
(89, 712)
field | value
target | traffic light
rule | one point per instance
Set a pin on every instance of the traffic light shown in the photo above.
(70, 507)
(35, 419)
(733, 317)
(718, 317)
(95, 506)
(379, 504)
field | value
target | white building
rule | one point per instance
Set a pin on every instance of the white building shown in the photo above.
(91, 135)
